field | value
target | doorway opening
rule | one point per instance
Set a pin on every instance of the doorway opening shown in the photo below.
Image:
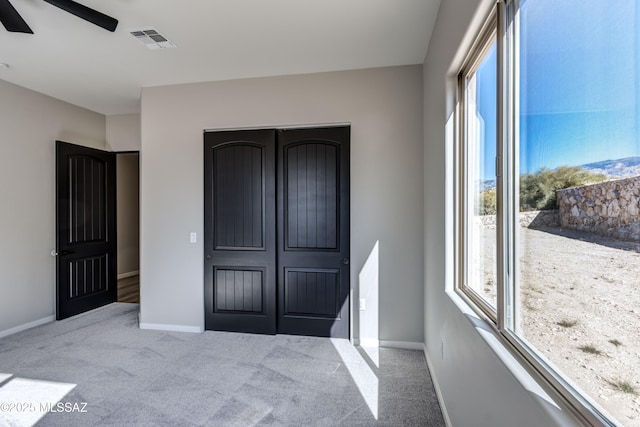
(128, 226)
(97, 228)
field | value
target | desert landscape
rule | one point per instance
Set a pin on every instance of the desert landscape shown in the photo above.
(580, 308)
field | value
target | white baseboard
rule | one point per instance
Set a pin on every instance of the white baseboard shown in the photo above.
(436, 386)
(406, 345)
(171, 328)
(368, 342)
(27, 326)
(129, 274)
(372, 342)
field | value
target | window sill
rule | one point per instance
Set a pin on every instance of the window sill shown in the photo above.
(542, 392)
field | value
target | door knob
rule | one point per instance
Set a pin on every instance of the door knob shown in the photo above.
(208, 257)
(345, 261)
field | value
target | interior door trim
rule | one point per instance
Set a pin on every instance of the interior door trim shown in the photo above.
(277, 128)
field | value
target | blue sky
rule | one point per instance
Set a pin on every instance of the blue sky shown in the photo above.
(580, 84)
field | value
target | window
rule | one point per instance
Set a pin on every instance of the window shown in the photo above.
(548, 243)
(478, 84)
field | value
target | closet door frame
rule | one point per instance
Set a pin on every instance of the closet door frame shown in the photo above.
(304, 286)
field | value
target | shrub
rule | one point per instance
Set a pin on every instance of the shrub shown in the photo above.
(590, 349)
(567, 323)
(487, 202)
(624, 386)
(538, 190)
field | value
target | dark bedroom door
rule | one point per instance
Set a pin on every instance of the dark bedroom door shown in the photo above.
(85, 229)
(239, 229)
(300, 286)
(313, 232)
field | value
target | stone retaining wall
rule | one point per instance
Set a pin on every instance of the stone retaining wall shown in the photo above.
(609, 208)
(540, 219)
(533, 219)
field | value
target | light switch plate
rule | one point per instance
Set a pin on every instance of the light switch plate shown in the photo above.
(193, 237)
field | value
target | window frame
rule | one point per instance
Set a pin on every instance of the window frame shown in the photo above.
(502, 25)
(479, 49)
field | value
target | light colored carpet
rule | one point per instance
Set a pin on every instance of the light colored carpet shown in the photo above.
(131, 377)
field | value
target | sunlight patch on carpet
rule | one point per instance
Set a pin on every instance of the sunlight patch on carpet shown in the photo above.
(366, 380)
(23, 402)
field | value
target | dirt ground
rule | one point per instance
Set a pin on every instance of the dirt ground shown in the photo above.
(580, 302)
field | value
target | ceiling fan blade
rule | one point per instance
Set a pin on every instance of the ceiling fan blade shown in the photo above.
(11, 19)
(86, 13)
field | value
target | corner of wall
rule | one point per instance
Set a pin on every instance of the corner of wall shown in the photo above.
(123, 132)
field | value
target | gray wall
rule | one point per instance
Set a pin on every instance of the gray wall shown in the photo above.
(123, 132)
(30, 123)
(384, 107)
(128, 195)
(480, 382)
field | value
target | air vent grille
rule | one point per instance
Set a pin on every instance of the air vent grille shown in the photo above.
(152, 39)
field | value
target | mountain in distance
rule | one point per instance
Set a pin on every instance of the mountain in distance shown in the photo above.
(618, 168)
(613, 169)
(485, 184)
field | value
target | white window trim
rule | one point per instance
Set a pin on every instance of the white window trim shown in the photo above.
(482, 44)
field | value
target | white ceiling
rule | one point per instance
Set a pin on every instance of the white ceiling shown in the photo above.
(73, 60)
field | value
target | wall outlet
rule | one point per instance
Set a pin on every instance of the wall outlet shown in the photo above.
(193, 237)
(362, 304)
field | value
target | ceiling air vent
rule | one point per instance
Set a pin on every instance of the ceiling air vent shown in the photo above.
(152, 39)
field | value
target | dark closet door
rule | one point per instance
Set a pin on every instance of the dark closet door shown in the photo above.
(86, 229)
(313, 232)
(240, 237)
